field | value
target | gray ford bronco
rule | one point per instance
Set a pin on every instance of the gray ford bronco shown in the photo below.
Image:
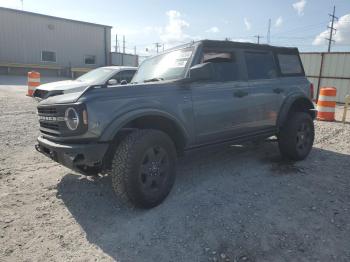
(190, 97)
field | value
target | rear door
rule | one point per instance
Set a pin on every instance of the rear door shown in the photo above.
(265, 87)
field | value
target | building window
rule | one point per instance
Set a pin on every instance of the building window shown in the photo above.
(48, 56)
(90, 59)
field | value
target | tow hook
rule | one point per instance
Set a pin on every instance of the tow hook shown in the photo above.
(37, 147)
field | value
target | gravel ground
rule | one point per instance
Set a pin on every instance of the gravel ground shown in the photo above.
(241, 203)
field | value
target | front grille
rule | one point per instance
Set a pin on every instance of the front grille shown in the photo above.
(47, 111)
(52, 126)
(52, 123)
(49, 126)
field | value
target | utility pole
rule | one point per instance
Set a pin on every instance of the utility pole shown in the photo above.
(330, 39)
(258, 37)
(123, 50)
(22, 4)
(157, 46)
(134, 50)
(268, 31)
(123, 44)
(116, 43)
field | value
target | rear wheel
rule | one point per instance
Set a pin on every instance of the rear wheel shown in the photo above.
(143, 168)
(296, 137)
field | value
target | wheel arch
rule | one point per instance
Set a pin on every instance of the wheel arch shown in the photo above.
(295, 103)
(150, 119)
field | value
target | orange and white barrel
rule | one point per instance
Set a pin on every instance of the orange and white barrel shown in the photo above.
(326, 104)
(33, 82)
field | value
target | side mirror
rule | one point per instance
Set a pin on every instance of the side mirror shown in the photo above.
(124, 82)
(112, 82)
(203, 71)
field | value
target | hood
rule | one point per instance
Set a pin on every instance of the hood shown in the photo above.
(63, 85)
(61, 99)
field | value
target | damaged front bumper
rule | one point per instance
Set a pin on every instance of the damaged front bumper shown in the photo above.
(80, 157)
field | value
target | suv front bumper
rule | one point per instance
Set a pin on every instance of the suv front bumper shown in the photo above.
(79, 157)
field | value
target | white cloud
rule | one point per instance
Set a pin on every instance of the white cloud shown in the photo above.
(279, 21)
(300, 6)
(16, 4)
(342, 35)
(171, 34)
(247, 23)
(174, 31)
(213, 29)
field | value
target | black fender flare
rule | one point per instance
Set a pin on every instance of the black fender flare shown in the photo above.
(289, 102)
(118, 123)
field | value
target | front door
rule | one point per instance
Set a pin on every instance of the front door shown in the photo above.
(221, 106)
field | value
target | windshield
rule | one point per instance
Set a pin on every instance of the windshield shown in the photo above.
(166, 66)
(96, 75)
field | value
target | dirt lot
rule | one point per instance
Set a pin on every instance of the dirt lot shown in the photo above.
(236, 204)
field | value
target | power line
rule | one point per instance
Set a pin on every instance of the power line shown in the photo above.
(330, 39)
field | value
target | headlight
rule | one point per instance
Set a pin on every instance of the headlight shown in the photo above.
(71, 118)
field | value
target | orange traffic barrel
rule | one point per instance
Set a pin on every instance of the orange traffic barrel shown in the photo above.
(33, 82)
(326, 104)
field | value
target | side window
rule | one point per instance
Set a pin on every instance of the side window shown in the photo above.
(260, 65)
(224, 63)
(289, 64)
(124, 75)
(128, 75)
(116, 77)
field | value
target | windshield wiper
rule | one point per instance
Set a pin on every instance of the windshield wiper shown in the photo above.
(153, 79)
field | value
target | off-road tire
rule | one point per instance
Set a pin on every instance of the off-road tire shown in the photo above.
(128, 161)
(296, 137)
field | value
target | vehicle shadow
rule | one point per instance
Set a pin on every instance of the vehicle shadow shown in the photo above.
(239, 202)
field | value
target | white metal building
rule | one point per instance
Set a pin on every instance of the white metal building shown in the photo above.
(328, 69)
(121, 59)
(50, 45)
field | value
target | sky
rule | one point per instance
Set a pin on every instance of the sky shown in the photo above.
(300, 23)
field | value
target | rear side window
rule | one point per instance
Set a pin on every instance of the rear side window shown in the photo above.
(224, 64)
(260, 65)
(289, 64)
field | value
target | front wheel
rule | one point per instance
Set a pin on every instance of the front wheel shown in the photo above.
(143, 168)
(296, 137)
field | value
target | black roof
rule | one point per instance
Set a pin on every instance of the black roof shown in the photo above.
(49, 16)
(232, 44)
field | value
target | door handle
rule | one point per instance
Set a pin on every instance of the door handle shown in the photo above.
(240, 93)
(278, 90)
